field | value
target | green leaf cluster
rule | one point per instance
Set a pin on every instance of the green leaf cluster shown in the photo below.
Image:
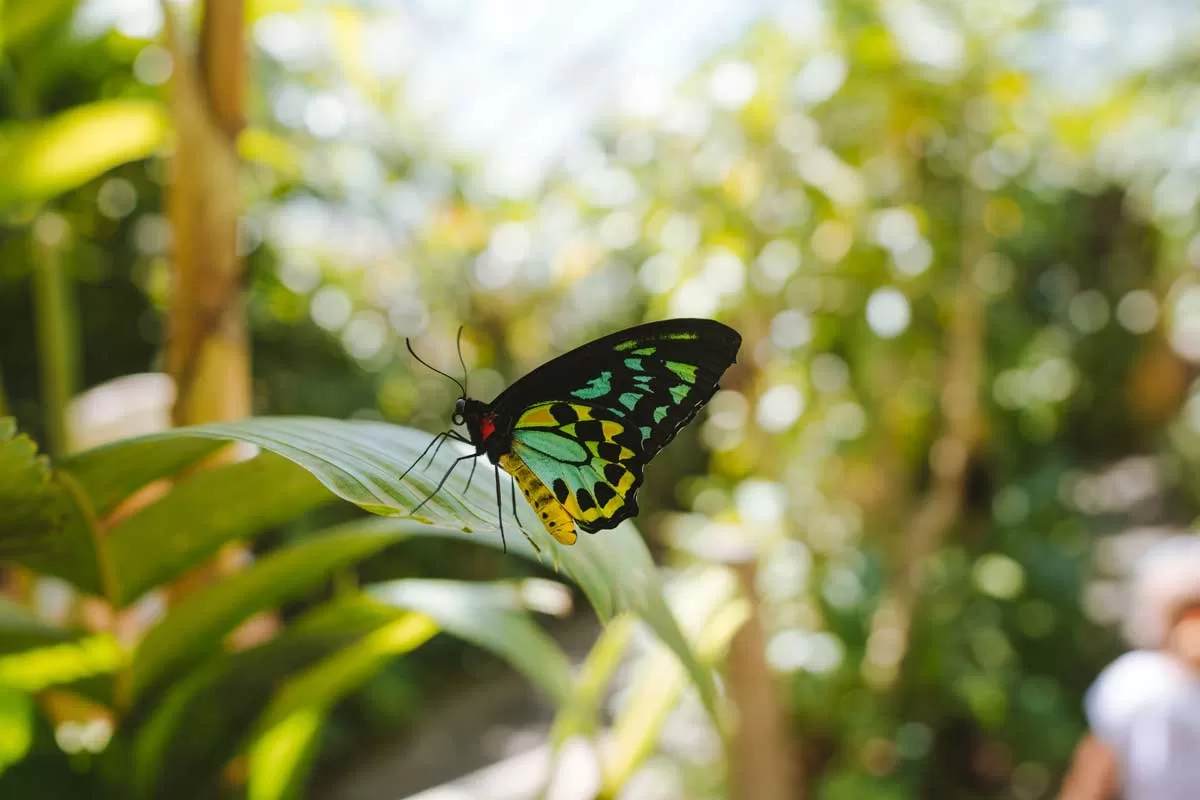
(141, 513)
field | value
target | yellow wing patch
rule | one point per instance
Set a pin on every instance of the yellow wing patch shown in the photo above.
(621, 455)
(540, 416)
(583, 504)
(608, 429)
(598, 493)
(554, 517)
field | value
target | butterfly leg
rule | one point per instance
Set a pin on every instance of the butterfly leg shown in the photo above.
(512, 485)
(444, 435)
(433, 441)
(471, 476)
(438, 449)
(442, 482)
(500, 509)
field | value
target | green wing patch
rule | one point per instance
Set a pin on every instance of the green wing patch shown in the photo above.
(589, 462)
(598, 415)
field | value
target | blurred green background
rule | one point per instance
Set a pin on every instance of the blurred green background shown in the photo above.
(960, 240)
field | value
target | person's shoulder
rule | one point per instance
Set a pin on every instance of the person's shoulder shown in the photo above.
(1135, 681)
(1139, 664)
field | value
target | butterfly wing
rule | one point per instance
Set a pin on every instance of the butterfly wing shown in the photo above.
(588, 421)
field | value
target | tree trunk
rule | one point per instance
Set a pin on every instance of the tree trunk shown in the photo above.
(761, 764)
(207, 349)
(207, 352)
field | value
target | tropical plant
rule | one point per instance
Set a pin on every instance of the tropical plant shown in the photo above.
(178, 706)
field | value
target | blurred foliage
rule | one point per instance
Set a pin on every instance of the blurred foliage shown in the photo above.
(32, 503)
(848, 186)
(164, 716)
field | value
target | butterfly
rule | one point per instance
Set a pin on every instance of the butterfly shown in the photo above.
(576, 433)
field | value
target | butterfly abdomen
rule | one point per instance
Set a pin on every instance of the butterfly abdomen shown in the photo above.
(551, 512)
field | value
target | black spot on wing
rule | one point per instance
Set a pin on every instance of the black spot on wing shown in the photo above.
(585, 499)
(627, 510)
(560, 490)
(613, 473)
(590, 431)
(609, 451)
(702, 349)
(563, 414)
(603, 492)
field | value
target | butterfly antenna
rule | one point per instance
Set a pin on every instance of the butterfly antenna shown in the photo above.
(425, 363)
(461, 360)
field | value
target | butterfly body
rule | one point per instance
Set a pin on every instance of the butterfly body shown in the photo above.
(576, 433)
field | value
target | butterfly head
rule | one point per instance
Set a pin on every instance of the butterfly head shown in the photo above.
(479, 419)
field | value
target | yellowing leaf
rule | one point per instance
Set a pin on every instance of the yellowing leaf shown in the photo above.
(278, 757)
(34, 670)
(66, 151)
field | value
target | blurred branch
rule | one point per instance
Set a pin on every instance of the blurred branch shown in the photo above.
(207, 351)
(222, 60)
(4, 412)
(760, 765)
(54, 318)
(949, 457)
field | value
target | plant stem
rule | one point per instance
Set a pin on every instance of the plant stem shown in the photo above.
(55, 321)
(4, 412)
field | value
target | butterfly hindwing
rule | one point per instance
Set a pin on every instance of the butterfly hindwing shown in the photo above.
(589, 421)
(587, 459)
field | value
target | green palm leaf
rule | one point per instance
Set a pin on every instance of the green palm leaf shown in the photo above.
(361, 462)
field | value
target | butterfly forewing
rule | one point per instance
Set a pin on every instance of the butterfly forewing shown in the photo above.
(588, 422)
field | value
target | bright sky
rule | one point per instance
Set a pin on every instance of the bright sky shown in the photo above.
(516, 81)
(520, 80)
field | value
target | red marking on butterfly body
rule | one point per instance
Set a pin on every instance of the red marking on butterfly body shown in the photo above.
(487, 426)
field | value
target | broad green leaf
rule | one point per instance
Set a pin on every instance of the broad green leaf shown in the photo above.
(362, 462)
(282, 753)
(35, 655)
(112, 472)
(21, 21)
(183, 739)
(712, 612)
(489, 616)
(280, 759)
(201, 619)
(32, 504)
(77, 556)
(16, 726)
(86, 662)
(203, 719)
(344, 671)
(21, 630)
(202, 513)
(66, 151)
(579, 715)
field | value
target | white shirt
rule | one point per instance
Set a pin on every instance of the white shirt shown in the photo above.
(1146, 707)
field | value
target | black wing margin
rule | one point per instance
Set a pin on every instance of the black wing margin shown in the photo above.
(653, 377)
